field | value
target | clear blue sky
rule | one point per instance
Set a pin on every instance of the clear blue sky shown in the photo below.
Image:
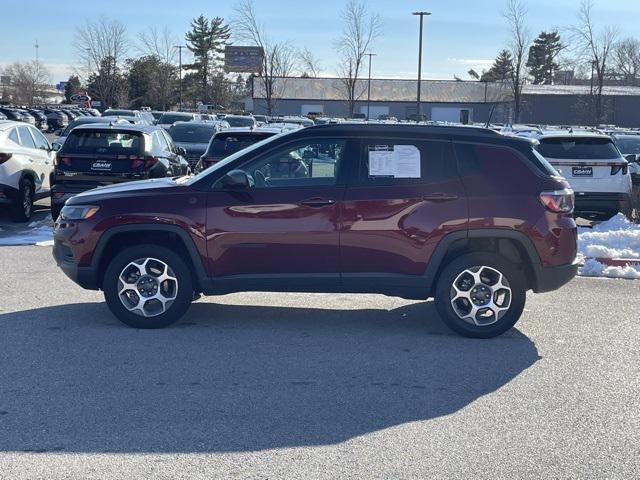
(461, 33)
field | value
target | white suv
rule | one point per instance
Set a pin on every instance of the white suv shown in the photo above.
(595, 169)
(26, 163)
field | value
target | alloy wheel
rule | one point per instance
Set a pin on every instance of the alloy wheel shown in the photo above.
(480, 295)
(147, 287)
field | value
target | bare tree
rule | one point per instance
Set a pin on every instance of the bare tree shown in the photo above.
(161, 44)
(360, 30)
(595, 48)
(28, 81)
(279, 59)
(516, 16)
(101, 47)
(309, 63)
(626, 56)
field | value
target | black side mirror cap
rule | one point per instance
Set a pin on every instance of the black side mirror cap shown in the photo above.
(236, 180)
(182, 151)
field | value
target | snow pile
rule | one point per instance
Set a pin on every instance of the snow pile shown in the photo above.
(616, 239)
(37, 233)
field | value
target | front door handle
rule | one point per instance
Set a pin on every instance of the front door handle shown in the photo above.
(318, 202)
(439, 197)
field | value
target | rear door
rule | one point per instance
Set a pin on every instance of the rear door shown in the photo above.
(44, 155)
(285, 227)
(35, 157)
(405, 196)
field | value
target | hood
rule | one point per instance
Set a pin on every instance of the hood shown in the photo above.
(124, 188)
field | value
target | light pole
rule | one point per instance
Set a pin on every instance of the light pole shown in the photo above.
(369, 87)
(421, 15)
(180, 47)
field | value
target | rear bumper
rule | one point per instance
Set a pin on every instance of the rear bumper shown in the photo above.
(549, 279)
(597, 203)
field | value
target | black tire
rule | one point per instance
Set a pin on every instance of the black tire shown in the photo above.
(450, 273)
(184, 286)
(22, 207)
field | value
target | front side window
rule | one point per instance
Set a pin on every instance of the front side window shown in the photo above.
(41, 141)
(310, 163)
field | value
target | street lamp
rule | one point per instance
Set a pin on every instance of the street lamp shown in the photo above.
(180, 47)
(421, 15)
(369, 87)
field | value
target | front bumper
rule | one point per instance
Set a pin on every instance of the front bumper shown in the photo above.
(83, 276)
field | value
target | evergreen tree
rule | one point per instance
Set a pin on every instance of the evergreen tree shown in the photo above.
(206, 40)
(71, 88)
(542, 55)
(501, 70)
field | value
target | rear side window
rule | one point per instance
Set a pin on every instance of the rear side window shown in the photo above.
(578, 148)
(405, 162)
(500, 165)
(225, 144)
(106, 142)
(13, 136)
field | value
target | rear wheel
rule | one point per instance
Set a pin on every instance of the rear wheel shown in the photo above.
(148, 286)
(22, 207)
(480, 295)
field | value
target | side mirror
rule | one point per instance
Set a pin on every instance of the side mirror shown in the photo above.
(631, 158)
(55, 147)
(236, 180)
(182, 151)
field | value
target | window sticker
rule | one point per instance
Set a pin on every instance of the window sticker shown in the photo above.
(395, 161)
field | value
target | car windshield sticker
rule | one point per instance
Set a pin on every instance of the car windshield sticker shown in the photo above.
(395, 161)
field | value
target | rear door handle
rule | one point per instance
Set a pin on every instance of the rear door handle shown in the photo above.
(439, 197)
(318, 202)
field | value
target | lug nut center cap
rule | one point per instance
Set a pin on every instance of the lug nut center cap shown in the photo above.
(481, 295)
(147, 286)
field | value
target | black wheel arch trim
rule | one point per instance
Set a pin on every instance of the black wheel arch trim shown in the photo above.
(436, 262)
(185, 238)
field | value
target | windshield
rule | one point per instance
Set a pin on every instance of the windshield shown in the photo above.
(225, 144)
(569, 148)
(170, 118)
(629, 145)
(240, 121)
(103, 142)
(231, 158)
(191, 134)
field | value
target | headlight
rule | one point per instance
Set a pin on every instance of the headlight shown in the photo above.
(81, 212)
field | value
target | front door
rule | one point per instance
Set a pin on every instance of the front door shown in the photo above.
(285, 226)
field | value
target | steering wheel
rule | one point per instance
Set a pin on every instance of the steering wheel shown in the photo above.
(260, 179)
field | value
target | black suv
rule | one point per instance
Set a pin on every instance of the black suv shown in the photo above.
(96, 155)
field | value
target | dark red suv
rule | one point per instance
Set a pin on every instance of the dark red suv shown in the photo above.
(461, 214)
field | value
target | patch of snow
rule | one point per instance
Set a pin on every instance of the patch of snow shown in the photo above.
(616, 238)
(36, 233)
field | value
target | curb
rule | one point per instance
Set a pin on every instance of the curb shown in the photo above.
(616, 262)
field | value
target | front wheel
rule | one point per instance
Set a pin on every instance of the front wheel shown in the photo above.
(480, 295)
(148, 286)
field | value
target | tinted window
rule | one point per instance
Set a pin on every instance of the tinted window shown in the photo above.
(405, 162)
(629, 145)
(578, 148)
(169, 118)
(240, 121)
(123, 113)
(225, 144)
(191, 134)
(306, 163)
(25, 138)
(108, 142)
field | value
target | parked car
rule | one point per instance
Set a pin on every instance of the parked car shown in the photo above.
(240, 121)
(41, 119)
(629, 146)
(156, 115)
(232, 140)
(26, 161)
(594, 168)
(99, 154)
(58, 142)
(465, 215)
(169, 118)
(56, 119)
(194, 137)
(2, 116)
(17, 116)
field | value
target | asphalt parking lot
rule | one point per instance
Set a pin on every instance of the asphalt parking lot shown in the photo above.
(313, 386)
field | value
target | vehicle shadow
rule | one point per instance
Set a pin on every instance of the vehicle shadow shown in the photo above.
(235, 377)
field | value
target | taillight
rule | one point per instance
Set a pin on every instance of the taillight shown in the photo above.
(63, 160)
(140, 162)
(615, 169)
(4, 157)
(558, 201)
